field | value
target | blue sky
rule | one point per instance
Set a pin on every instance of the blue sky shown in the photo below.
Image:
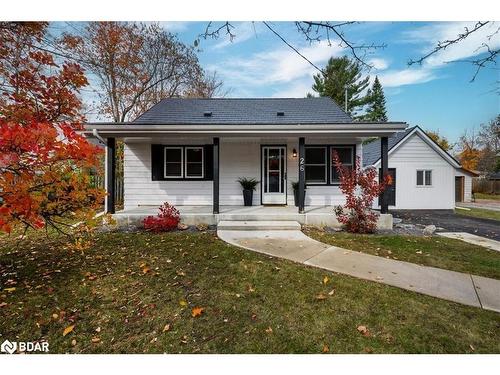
(436, 95)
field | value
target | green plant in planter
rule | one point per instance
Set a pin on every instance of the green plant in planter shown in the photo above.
(248, 185)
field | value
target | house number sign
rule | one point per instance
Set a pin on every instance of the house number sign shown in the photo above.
(301, 164)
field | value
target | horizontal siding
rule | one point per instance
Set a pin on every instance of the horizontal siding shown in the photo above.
(139, 189)
(414, 155)
(238, 158)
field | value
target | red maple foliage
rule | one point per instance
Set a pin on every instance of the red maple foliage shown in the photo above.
(167, 219)
(360, 186)
(43, 160)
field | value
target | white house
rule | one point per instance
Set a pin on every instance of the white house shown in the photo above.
(190, 152)
(425, 176)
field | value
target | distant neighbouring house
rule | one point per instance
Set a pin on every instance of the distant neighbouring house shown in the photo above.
(425, 175)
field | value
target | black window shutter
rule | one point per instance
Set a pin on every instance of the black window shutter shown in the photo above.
(157, 162)
(209, 162)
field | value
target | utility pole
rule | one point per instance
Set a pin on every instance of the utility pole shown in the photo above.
(345, 100)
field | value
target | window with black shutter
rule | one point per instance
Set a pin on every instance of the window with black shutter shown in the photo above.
(180, 163)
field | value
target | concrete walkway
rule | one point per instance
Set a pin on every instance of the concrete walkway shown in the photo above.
(485, 204)
(296, 246)
(473, 239)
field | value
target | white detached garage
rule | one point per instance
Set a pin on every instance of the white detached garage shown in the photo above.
(425, 175)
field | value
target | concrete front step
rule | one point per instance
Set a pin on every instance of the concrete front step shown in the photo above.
(257, 225)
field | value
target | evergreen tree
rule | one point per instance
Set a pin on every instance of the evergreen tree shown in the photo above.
(339, 73)
(376, 110)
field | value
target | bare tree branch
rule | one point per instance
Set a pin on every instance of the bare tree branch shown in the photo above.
(215, 33)
(312, 31)
(442, 45)
(479, 63)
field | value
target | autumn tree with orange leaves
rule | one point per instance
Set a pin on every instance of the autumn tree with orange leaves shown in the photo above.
(43, 159)
(135, 65)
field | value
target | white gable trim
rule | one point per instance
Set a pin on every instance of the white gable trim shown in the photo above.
(429, 142)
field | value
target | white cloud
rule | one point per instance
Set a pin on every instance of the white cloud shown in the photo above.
(297, 89)
(242, 31)
(277, 66)
(174, 26)
(430, 35)
(379, 63)
(410, 76)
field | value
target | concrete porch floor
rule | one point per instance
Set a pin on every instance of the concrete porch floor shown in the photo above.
(192, 215)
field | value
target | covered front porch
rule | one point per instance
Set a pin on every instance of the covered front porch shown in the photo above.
(275, 155)
(193, 215)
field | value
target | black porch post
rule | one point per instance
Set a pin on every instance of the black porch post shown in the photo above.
(384, 161)
(110, 175)
(216, 177)
(302, 173)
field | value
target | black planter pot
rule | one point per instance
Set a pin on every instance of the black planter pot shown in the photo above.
(296, 197)
(247, 197)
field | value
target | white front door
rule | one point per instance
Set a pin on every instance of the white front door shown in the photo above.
(273, 175)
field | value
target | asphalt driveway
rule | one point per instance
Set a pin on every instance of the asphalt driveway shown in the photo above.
(451, 222)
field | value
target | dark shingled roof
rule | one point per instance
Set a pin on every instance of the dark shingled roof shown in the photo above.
(176, 111)
(371, 151)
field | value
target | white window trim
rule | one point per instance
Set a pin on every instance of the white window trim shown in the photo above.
(202, 161)
(318, 165)
(332, 166)
(165, 161)
(424, 178)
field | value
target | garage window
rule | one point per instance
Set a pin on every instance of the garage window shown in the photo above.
(424, 178)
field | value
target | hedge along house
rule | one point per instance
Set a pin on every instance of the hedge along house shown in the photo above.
(424, 175)
(190, 152)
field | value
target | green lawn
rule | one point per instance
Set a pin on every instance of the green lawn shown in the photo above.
(134, 293)
(480, 212)
(487, 196)
(432, 251)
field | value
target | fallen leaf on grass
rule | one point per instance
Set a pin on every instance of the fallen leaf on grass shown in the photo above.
(472, 347)
(325, 280)
(166, 328)
(10, 290)
(183, 303)
(331, 292)
(320, 297)
(68, 329)
(73, 342)
(197, 311)
(3, 304)
(95, 340)
(269, 330)
(364, 331)
(326, 349)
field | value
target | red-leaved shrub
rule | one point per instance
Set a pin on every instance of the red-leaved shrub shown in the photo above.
(360, 186)
(167, 219)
